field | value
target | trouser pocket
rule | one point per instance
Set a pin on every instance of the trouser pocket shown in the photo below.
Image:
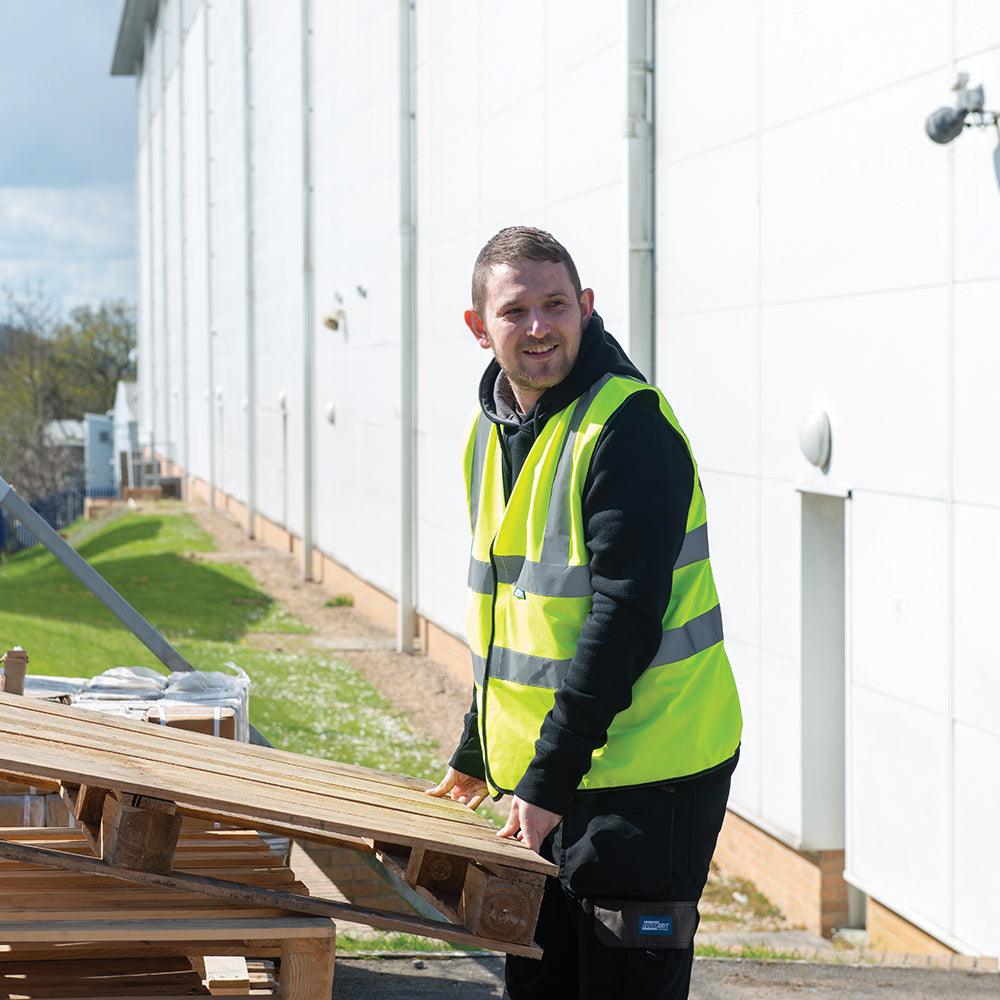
(649, 925)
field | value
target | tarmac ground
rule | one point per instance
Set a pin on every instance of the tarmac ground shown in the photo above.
(479, 978)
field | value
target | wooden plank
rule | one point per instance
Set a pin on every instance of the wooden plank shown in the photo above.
(435, 871)
(302, 808)
(219, 972)
(186, 931)
(254, 895)
(139, 832)
(146, 746)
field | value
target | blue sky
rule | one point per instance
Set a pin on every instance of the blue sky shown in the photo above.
(67, 152)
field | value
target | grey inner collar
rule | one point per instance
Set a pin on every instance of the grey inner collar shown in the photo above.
(504, 399)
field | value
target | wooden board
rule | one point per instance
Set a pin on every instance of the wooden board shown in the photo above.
(260, 786)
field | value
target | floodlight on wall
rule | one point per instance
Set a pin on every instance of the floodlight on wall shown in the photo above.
(816, 438)
(969, 111)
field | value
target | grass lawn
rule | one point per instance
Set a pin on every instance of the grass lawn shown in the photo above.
(309, 704)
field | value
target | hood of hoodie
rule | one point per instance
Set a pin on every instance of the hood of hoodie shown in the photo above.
(599, 354)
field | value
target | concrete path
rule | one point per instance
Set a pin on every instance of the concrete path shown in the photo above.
(714, 979)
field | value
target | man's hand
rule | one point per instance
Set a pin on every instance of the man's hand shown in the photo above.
(532, 824)
(460, 787)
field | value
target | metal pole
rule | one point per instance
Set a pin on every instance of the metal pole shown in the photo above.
(308, 295)
(91, 579)
(407, 351)
(251, 338)
(640, 137)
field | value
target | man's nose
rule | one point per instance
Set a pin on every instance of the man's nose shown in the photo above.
(537, 324)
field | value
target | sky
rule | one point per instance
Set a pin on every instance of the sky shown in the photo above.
(67, 152)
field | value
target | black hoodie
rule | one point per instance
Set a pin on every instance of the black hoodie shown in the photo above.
(635, 504)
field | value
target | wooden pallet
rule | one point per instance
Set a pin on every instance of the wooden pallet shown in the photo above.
(70, 933)
(129, 783)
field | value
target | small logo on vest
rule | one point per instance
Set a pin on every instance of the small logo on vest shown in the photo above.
(518, 593)
(660, 926)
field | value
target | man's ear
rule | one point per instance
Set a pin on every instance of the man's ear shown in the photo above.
(478, 328)
(586, 304)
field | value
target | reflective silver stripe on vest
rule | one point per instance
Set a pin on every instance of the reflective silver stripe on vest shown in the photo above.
(480, 577)
(478, 668)
(695, 547)
(695, 636)
(535, 671)
(483, 427)
(677, 644)
(531, 577)
(555, 544)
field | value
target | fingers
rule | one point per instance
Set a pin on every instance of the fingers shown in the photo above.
(513, 822)
(477, 800)
(445, 785)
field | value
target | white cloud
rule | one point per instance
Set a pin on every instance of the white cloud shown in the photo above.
(77, 242)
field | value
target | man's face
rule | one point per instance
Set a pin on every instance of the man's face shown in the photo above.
(533, 322)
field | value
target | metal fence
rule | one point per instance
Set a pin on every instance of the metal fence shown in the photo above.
(59, 509)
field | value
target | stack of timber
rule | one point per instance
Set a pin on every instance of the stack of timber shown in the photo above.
(67, 933)
(129, 784)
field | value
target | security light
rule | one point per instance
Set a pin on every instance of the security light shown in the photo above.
(947, 124)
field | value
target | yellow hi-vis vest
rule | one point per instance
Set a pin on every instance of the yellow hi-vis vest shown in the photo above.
(530, 592)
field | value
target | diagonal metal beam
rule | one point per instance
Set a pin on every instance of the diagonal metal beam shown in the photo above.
(91, 579)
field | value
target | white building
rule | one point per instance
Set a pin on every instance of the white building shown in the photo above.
(813, 251)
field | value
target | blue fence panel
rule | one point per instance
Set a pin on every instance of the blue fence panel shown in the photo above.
(59, 509)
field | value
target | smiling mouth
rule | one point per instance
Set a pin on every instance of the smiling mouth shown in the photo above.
(542, 352)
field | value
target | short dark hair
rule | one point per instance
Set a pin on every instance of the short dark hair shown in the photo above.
(513, 244)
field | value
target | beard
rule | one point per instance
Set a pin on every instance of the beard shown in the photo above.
(533, 375)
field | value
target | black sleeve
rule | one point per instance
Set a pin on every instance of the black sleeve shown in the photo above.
(635, 508)
(468, 758)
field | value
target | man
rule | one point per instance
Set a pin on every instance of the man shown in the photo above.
(604, 701)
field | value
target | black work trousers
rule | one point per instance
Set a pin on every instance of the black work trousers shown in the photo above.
(619, 922)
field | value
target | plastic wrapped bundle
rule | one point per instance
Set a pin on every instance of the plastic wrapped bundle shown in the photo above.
(215, 688)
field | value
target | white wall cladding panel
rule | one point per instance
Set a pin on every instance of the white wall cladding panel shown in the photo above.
(144, 263)
(706, 58)
(277, 164)
(872, 362)
(167, 24)
(707, 221)
(733, 517)
(898, 820)
(357, 245)
(899, 637)
(228, 245)
(977, 597)
(722, 424)
(152, 67)
(818, 54)
(977, 207)
(977, 26)
(780, 744)
(854, 199)
(977, 831)
(780, 568)
(746, 788)
(977, 404)
(199, 405)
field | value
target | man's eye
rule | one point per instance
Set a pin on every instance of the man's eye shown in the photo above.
(556, 303)
(512, 312)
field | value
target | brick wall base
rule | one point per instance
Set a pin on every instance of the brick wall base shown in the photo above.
(808, 887)
(888, 931)
(357, 880)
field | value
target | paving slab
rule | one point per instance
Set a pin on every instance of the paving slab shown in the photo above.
(480, 978)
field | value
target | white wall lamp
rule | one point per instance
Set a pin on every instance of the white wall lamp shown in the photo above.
(816, 439)
(969, 111)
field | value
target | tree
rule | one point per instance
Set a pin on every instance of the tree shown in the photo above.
(91, 354)
(29, 397)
